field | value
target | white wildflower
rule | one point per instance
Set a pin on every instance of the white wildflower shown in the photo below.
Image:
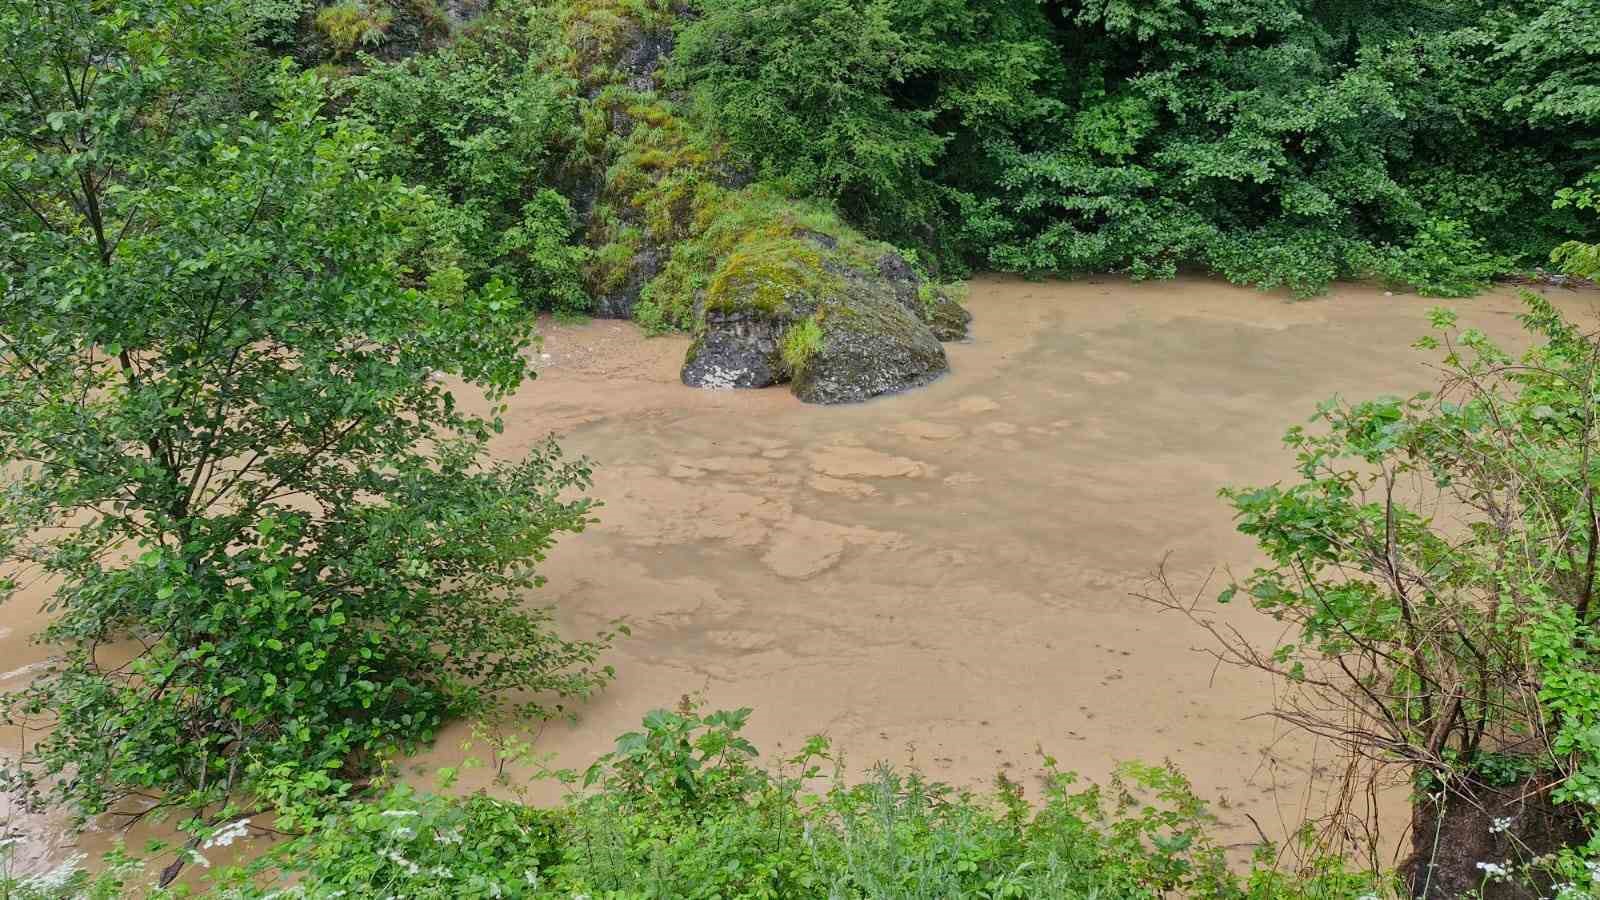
(439, 872)
(447, 836)
(198, 858)
(227, 834)
(398, 813)
(532, 876)
(1499, 825)
(410, 867)
(1494, 870)
(403, 833)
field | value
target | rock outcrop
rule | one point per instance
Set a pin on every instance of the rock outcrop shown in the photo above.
(869, 346)
(738, 349)
(841, 321)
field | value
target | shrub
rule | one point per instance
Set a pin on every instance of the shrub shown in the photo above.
(1434, 562)
(1580, 258)
(682, 808)
(488, 129)
(1301, 260)
(275, 23)
(1444, 259)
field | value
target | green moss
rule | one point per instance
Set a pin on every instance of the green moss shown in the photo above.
(769, 276)
(800, 343)
(613, 259)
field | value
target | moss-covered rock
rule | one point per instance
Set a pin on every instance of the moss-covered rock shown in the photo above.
(934, 304)
(764, 289)
(870, 345)
(839, 318)
(738, 349)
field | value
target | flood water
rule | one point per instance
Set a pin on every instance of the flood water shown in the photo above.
(945, 576)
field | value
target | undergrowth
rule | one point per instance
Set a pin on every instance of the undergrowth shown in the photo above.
(685, 808)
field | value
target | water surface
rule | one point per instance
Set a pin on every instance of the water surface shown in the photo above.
(946, 576)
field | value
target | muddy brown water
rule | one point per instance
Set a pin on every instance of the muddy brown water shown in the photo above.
(943, 576)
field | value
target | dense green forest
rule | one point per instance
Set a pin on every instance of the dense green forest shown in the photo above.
(243, 245)
(1278, 143)
(1274, 142)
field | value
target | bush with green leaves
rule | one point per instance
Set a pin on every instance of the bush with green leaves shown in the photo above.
(489, 129)
(684, 808)
(1443, 259)
(237, 370)
(1434, 564)
(1579, 258)
(860, 100)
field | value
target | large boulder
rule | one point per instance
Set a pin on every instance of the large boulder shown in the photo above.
(759, 293)
(868, 345)
(839, 325)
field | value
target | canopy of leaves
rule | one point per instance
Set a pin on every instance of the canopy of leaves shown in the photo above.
(489, 130)
(1280, 142)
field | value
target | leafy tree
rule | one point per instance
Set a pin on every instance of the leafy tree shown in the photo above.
(276, 547)
(861, 100)
(1554, 77)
